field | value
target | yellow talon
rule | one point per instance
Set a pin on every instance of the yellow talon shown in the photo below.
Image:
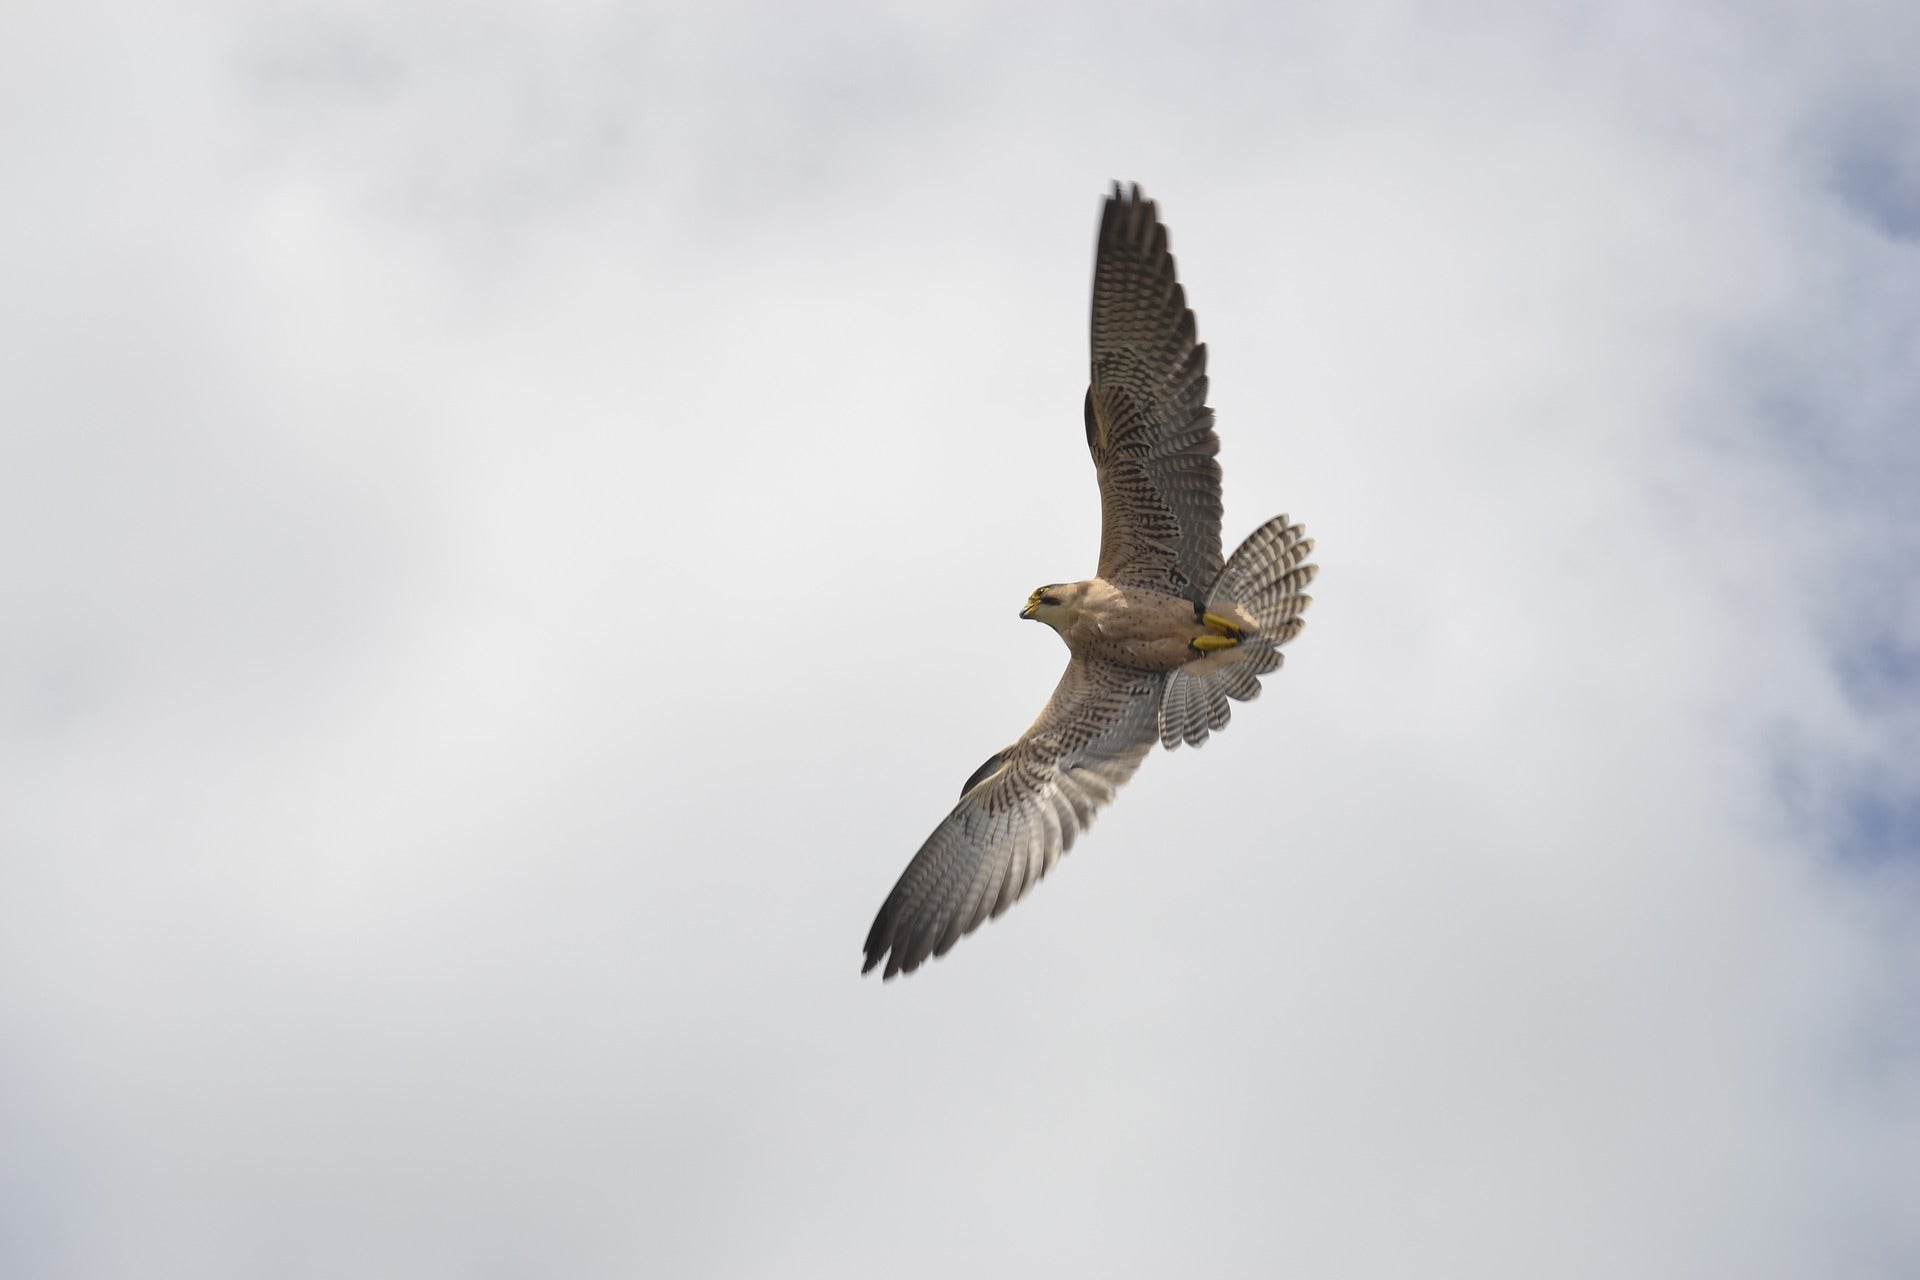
(1207, 644)
(1224, 626)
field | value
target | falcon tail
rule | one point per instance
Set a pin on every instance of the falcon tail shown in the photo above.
(1265, 582)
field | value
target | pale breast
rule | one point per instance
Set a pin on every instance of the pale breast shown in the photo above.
(1139, 628)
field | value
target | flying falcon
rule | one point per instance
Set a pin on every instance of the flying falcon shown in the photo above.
(1161, 638)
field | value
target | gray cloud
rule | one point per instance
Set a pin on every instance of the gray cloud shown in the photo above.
(513, 528)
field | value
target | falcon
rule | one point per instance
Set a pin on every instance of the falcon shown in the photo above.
(1162, 638)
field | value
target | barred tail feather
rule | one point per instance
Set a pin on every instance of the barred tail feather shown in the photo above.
(1265, 583)
(1267, 579)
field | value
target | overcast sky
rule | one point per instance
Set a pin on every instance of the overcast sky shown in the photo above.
(511, 525)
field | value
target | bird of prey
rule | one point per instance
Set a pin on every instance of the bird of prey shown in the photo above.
(1161, 637)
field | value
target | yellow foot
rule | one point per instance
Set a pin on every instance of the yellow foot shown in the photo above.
(1224, 626)
(1207, 644)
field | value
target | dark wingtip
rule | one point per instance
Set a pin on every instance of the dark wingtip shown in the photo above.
(1130, 219)
(1129, 196)
(877, 941)
(876, 954)
(884, 942)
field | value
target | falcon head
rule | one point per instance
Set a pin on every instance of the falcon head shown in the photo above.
(1053, 604)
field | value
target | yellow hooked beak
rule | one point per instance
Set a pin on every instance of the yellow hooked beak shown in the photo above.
(1029, 609)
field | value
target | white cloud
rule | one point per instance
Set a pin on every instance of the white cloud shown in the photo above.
(514, 527)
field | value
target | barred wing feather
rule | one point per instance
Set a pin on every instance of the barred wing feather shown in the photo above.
(1020, 812)
(1148, 425)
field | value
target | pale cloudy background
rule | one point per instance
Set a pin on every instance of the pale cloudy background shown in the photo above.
(511, 520)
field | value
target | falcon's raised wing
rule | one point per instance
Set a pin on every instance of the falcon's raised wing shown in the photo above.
(1148, 424)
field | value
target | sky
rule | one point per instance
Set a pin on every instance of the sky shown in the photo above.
(512, 518)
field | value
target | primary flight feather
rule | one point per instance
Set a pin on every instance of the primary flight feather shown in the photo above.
(1161, 638)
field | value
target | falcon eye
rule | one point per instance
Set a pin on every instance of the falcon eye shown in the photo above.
(1049, 599)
